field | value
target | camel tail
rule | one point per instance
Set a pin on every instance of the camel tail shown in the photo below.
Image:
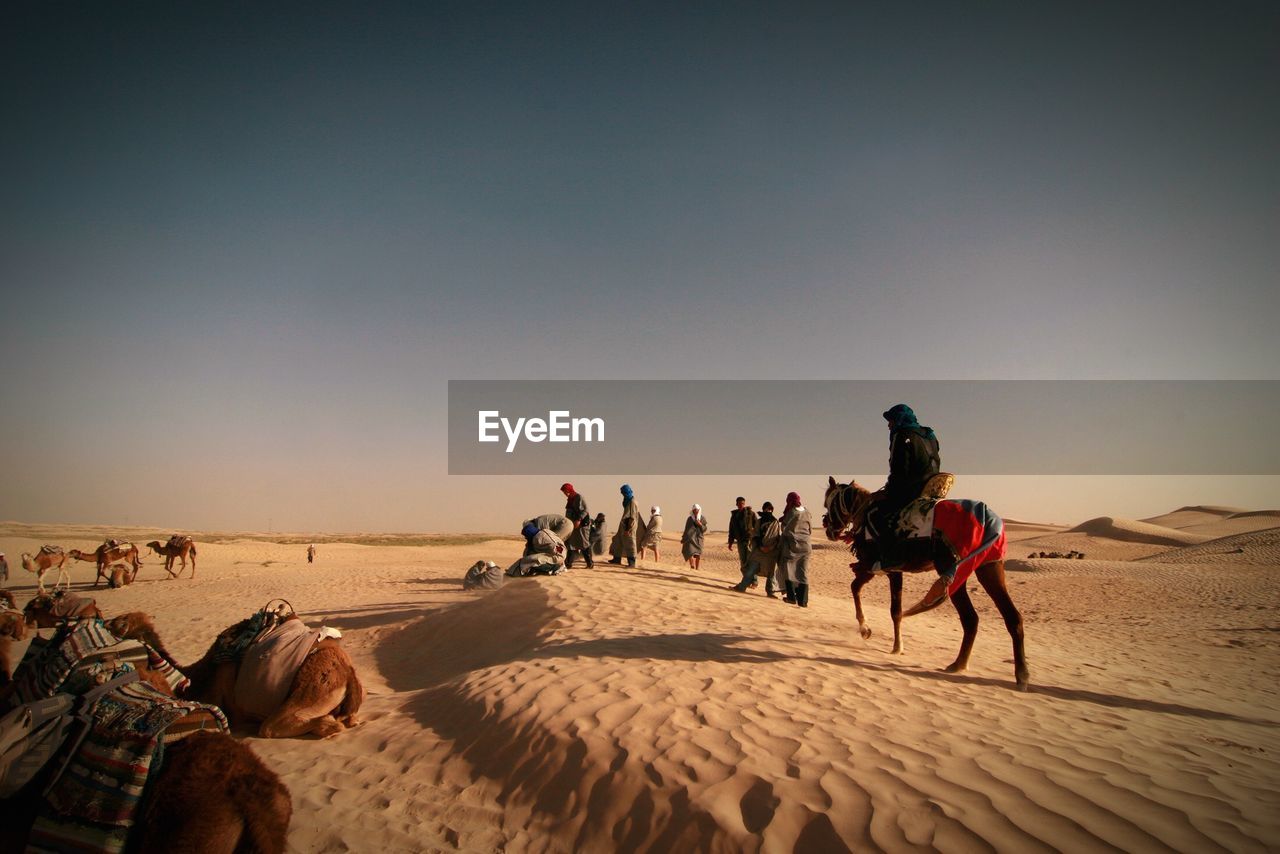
(353, 700)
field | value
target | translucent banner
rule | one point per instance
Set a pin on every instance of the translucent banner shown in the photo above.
(818, 427)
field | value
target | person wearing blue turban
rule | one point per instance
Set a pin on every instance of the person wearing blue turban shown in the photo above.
(914, 457)
(631, 530)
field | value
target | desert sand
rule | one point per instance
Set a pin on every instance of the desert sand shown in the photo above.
(655, 709)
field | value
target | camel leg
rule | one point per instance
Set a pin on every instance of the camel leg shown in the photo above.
(860, 580)
(895, 611)
(991, 577)
(311, 715)
(969, 622)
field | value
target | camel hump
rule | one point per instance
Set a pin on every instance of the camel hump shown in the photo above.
(50, 550)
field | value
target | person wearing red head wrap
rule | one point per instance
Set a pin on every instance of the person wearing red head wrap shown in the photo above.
(579, 540)
(793, 557)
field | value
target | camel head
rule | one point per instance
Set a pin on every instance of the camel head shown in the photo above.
(39, 611)
(27, 563)
(154, 545)
(846, 505)
(136, 625)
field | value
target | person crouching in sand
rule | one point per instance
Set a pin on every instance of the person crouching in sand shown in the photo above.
(691, 541)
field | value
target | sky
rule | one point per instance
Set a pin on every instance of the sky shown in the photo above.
(244, 247)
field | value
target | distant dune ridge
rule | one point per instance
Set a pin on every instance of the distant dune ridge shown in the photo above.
(655, 709)
(1133, 531)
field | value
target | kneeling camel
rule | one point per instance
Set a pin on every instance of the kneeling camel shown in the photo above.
(325, 695)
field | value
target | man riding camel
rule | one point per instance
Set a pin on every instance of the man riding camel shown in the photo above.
(914, 458)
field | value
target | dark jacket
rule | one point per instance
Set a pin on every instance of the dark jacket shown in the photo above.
(575, 510)
(913, 459)
(738, 526)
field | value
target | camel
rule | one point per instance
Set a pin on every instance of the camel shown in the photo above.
(211, 795)
(108, 553)
(50, 611)
(13, 627)
(846, 506)
(323, 701)
(177, 547)
(49, 557)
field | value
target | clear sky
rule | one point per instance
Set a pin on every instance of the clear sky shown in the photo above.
(242, 250)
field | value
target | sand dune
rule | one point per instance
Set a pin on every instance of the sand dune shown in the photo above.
(654, 709)
(1193, 515)
(1133, 531)
(1255, 548)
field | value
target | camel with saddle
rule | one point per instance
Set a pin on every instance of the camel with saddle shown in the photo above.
(13, 628)
(48, 558)
(137, 768)
(178, 547)
(965, 537)
(111, 551)
(268, 669)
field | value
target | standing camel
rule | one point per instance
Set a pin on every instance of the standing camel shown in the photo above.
(323, 700)
(108, 553)
(177, 547)
(49, 557)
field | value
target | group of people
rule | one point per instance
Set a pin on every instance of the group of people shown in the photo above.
(776, 548)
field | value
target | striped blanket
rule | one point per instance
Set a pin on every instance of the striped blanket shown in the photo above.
(81, 655)
(972, 533)
(94, 803)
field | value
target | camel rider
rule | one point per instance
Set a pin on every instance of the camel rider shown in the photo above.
(913, 459)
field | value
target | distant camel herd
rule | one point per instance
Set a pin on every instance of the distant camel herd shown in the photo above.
(117, 562)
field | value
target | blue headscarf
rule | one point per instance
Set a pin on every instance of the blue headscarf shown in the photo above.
(530, 531)
(627, 494)
(901, 417)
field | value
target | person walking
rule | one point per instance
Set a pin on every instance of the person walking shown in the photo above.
(631, 530)
(742, 524)
(695, 527)
(311, 553)
(4, 569)
(653, 536)
(763, 559)
(793, 558)
(598, 529)
(579, 540)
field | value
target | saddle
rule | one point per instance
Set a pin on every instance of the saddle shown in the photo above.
(51, 550)
(178, 540)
